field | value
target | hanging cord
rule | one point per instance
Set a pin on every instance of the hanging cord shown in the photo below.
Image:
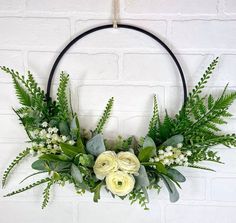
(116, 10)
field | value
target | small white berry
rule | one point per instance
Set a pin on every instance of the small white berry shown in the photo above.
(169, 148)
(179, 145)
(188, 153)
(64, 138)
(44, 124)
(71, 142)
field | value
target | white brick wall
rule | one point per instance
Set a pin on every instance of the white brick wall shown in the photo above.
(131, 67)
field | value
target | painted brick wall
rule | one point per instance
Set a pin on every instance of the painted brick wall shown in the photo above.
(131, 67)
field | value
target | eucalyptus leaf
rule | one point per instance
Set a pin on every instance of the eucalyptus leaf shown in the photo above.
(142, 178)
(146, 153)
(96, 146)
(176, 175)
(76, 174)
(174, 140)
(64, 128)
(173, 193)
(40, 165)
(148, 142)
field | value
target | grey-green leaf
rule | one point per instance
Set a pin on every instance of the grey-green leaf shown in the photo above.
(148, 142)
(174, 140)
(173, 193)
(96, 145)
(176, 175)
(76, 174)
(142, 179)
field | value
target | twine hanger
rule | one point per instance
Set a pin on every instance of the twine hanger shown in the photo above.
(116, 10)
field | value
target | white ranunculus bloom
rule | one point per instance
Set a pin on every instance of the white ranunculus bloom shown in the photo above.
(105, 163)
(128, 162)
(120, 183)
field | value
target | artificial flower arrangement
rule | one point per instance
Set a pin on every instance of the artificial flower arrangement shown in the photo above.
(127, 168)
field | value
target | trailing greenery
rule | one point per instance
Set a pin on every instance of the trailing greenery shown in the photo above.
(16, 161)
(105, 116)
(138, 195)
(37, 183)
(46, 194)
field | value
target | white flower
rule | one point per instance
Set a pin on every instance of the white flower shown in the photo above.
(48, 135)
(188, 153)
(161, 152)
(151, 160)
(156, 159)
(128, 162)
(48, 141)
(55, 130)
(170, 154)
(169, 148)
(43, 133)
(71, 142)
(49, 147)
(120, 183)
(41, 145)
(44, 124)
(181, 157)
(186, 164)
(64, 138)
(55, 137)
(166, 154)
(165, 161)
(185, 159)
(179, 145)
(161, 157)
(105, 163)
(55, 146)
(50, 130)
(177, 160)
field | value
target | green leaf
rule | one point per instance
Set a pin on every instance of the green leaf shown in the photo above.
(70, 150)
(75, 127)
(76, 174)
(64, 128)
(174, 140)
(142, 178)
(52, 157)
(96, 191)
(175, 175)
(148, 142)
(45, 165)
(86, 160)
(160, 167)
(96, 146)
(40, 165)
(146, 153)
(173, 193)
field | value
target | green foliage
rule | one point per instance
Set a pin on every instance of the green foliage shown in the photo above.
(105, 116)
(62, 97)
(154, 120)
(16, 161)
(138, 195)
(37, 183)
(46, 194)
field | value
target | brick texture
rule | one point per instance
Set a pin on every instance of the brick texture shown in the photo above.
(131, 67)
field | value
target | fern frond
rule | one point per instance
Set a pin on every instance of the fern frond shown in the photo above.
(105, 116)
(6, 173)
(37, 183)
(46, 194)
(22, 95)
(152, 131)
(62, 97)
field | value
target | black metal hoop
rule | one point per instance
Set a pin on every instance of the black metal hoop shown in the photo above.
(119, 26)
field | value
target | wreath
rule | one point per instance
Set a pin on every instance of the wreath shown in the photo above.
(125, 167)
